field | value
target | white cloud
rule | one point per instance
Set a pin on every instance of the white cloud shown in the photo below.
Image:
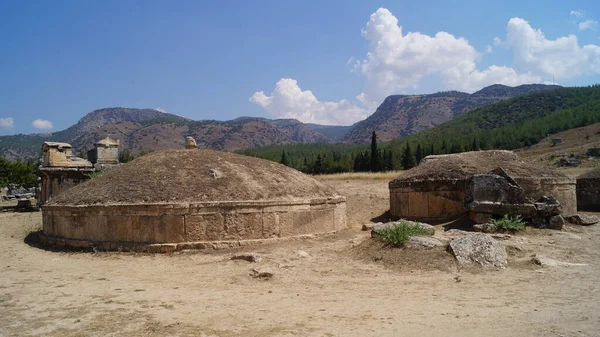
(562, 57)
(288, 100)
(7, 123)
(582, 20)
(588, 24)
(42, 124)
(158, 108)
(399, 62)
(576, 14)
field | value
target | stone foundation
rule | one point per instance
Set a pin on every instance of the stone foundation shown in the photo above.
(193, 225)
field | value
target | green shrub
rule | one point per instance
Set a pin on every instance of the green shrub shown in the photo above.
(399, 233)
(509, 223)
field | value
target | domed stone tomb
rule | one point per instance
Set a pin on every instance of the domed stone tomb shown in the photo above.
(192, 199)
(438, 189)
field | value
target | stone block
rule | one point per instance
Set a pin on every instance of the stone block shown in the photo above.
(418, 205)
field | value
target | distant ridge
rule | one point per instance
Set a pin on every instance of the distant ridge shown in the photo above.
(149, 130)
(402, 115)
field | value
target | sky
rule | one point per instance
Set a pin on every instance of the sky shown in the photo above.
(326, 62)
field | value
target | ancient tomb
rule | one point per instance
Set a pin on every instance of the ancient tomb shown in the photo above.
(436, 190)
(60, 170)
(588, 191)
(192, 199)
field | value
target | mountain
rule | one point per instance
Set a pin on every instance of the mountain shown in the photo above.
(515, 123)
(334, 132)
(148, 129)
(402, 115)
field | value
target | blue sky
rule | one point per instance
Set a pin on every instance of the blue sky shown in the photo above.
(318, 61)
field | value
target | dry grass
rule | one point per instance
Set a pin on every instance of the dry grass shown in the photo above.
(574, 172)
(360, 176)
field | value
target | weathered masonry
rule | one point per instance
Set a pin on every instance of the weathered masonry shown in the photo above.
(182, 199)
(61, 170)
(436, 190)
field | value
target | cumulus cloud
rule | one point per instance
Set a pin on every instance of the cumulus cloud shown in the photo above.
(582, 20)
(400, 62)
(588, 24)
(42, 124)
(7, 123)
(562, 57)
(397, 61)
(288, 100)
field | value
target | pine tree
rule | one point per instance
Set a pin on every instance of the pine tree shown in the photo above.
(284, 159)
(408, 160)
(390, 161)
(374, 153)
(419, 153)
(318, 167)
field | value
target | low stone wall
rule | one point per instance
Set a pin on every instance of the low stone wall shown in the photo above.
(588, 194)
(428, 200)
(438, 201)
(135, 226)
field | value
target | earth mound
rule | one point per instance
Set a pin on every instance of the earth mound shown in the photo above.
(175, 176)
(594, 174)
(463, 165)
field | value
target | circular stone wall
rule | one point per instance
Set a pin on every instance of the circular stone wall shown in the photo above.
(434, 191)
(182, 199)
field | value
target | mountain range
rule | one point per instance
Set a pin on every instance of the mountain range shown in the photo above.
(403, 115)
(142, 130)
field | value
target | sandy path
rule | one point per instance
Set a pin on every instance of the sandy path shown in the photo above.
(330, 293)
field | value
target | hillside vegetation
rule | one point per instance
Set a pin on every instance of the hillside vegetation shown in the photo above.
(403, 115)
(510, 124)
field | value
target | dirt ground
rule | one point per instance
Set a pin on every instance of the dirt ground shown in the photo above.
(336, 285)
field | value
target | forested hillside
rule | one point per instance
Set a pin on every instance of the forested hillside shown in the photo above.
(509, 124)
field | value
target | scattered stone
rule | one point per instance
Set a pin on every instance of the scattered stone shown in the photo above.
(250, 257)
(547, 206)
(424, 242)
(429, 229)
(556, 222)
(216, 173)
(495, 186)
(570, 235)
(479, 249)
(190, 143)
(369, 226)
(582, 219)
(261, 274)
(456, 232)
(303, 254)
(485, 228)
(548, 262)
(500, 236)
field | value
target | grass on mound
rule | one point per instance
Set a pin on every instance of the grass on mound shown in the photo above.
(360, 176)
(400, 233)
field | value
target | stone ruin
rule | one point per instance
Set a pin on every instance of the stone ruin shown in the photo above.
(588, 191)
(191, 199)
(481, 185)
(60, 170)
